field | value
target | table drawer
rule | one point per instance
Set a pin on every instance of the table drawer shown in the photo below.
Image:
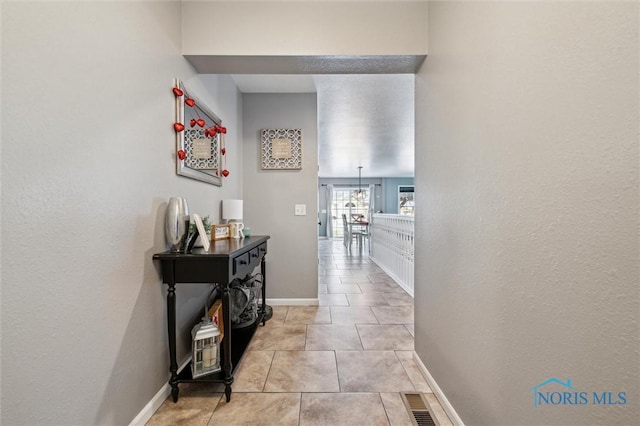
(254, 257)
(241, 262)
(246, 262)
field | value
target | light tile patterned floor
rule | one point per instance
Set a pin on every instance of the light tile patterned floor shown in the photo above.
(344, 362)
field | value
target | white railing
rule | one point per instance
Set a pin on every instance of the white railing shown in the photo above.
(392, 247)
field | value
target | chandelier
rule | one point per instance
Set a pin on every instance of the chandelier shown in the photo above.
(360, 193)
(357, 195)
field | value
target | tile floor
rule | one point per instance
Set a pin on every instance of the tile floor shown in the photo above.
(344, 362)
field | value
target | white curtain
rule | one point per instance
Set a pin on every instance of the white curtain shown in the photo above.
(329, 195)
(372, 201)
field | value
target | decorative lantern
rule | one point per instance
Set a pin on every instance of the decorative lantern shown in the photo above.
(206, 348)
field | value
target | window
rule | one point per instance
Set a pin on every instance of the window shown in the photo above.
(350, 202)
(406, 201)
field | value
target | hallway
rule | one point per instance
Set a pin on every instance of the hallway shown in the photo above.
(344, 362)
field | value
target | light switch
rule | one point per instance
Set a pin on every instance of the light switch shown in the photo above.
(300, 210)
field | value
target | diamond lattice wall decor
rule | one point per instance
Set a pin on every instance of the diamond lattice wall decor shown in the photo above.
(281, 149)
(201, 162)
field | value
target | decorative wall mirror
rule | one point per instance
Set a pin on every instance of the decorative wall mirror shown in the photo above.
(198, 137)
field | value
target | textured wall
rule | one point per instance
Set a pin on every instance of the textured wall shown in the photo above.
(270, 195)
(87, 168)
(527, 218)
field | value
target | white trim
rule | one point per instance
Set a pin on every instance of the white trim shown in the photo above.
(393, 276)
(143, 416)
(152, 406)
(446, 405)
(293, 302)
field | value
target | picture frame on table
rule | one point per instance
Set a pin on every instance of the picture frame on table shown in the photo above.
(202, 233)
(220, 232)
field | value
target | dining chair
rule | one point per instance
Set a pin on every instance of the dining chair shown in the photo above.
(349, 233)
(346, 233)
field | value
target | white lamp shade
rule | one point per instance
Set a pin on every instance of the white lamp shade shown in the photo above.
(231, 209)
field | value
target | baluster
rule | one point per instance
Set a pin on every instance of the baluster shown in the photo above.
(392, 247)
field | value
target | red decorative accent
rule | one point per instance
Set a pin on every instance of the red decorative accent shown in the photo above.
(223, 149)
(208, 132)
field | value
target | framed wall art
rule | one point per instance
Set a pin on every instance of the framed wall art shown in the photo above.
(198, 140)
(281, 149)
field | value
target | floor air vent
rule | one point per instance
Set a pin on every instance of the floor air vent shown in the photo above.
(417, 408)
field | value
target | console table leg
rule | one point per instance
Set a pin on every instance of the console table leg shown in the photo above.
(171, 325)
(227, 392)
(263, 271)
(226, 342)
(174, 389)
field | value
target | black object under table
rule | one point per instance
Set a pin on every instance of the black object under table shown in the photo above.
(226, 260)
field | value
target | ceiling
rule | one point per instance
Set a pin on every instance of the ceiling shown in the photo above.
(363, 119)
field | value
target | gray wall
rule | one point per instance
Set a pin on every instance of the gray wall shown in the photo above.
(270, 195)
(88, 164)
(527, 215)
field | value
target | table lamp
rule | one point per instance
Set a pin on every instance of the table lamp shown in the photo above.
(232, 210)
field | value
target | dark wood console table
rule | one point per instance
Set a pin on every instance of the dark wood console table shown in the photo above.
(225, 261)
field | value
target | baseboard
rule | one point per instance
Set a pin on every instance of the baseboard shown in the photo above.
(398, 281)
(444, 402)
(293, 302)
(152, 406)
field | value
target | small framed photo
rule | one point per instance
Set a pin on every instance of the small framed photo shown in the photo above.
(201, 231)
(220, 232)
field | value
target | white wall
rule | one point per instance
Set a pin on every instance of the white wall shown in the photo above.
(527, 216)
(270, 195)
(87, 168)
